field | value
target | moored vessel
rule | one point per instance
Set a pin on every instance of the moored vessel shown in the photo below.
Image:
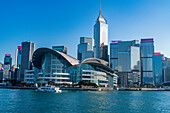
(49, 88)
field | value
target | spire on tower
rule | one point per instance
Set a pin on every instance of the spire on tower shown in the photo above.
(100, 7)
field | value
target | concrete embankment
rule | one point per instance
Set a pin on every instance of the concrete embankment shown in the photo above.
(92, 89)
(16, 87)
(152, 89)
(141, 89)
(87, 89)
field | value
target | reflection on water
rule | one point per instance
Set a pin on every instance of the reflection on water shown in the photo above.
(27, 101)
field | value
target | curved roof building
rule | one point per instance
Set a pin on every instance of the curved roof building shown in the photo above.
(62, 68)
(52, 65)
(95, 60)
(40, 53)
(93, 70)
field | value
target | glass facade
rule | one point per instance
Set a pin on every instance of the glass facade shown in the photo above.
(157, 69)
(60, 49)
(26, 57)
(147, 50)
(114, 56)
(18, 56)
(8, 59)
(166, 70)
(89, 72)
(85, 48)
(100, 35)
(88, 40)
(125, 58)
(104, 53)
(54, 69)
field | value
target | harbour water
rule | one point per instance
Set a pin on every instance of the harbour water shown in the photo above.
(31, 101)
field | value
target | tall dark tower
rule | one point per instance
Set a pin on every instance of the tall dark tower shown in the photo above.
(26, 57)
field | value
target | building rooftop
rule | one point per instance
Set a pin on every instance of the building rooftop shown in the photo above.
(101, 18)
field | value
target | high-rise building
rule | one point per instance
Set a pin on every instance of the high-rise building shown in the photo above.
(60, 49)
(100, 35)
(147, 50)
(157, 69)
(166, 70)
(125, 58)
(7, 67)
(6, 72)
(8, 59)
(85, 48)
(18, 57)
(104, 53)
(1, 72)
(26, 57)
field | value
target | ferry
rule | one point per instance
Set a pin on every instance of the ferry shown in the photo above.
(49, 88)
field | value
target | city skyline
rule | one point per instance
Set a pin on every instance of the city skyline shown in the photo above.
(48, 26)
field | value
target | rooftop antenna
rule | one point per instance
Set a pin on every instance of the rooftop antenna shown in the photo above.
(100, 6)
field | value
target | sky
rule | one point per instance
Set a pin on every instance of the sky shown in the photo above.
(63, 22)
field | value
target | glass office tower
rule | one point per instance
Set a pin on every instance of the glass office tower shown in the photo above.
(85, 48)
(60, 49)
(8, 59)
(100, 35)
(147, 50)
(125, 58)
(26, 57)
(157, 69)
(166, 70)
(18, 57)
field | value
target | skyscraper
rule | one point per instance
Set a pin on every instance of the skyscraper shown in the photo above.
(166, 70)
(100, 35)
(147, 50)
(18, 57)
(8, 59)
(104, 53)
(7, 67)
(85, 48)
(26, 57)
(1, 73)
(60, 48)
(125, 58)
(157, 69)
(6, 72)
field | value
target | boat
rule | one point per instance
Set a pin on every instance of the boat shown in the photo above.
(49, 88)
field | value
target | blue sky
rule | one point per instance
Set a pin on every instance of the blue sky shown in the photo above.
(63, 22)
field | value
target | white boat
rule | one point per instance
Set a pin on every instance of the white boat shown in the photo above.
(49, 88)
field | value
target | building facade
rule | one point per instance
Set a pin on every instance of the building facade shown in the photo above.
(157, 69)
(85, 48)
(8, 59)
(147, 50)
(93, 70)
(100, 35)
(7, 67)
(1, 72)
(60, 49)
(166, 70)
(6, 72)
(52, 66)
(18, 57)
(104, 53)
(60, 68)
(26, 57)
(125, 59)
